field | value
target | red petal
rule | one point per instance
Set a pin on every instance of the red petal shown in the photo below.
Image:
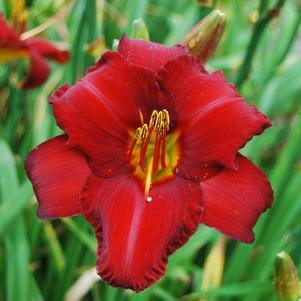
(57, 173)
(102, 107)
(234, 200)
(47, 49)
(215, 120)
(8, 36)
(148, 54)
(135, 236)
(191, 169)
(38, 73)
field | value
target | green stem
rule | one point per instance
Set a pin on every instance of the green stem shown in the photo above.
(281, 56)
(255, 38)
(119, 294)
(291, 39)
(263, 6)
(77, 46)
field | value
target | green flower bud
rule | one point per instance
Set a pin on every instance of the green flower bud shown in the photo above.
(286, 278)
(204, 37)
(139, 30)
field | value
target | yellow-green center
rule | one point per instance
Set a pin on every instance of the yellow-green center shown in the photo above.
(154, 152)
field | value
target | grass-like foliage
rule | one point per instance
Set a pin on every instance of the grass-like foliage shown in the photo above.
(260, 53)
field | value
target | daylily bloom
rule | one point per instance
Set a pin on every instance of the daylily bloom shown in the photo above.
(13, 47)
(150, 151)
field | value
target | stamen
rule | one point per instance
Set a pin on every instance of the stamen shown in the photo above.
(159, 125)
(153, 118)
(137, 136)
(159, 119)
(166, 119)
(138, 133)
(155, 134)
(163, 150)
(144, 149)
(144, 132)
(156, 151)
(150, 131)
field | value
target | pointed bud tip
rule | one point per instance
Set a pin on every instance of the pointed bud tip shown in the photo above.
(115, 44)
(139, 30)
(286, 278)
(218, 14)
(204, 37)
(283, 261)
(282, 256)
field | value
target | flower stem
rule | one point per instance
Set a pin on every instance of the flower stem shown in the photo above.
(283, 54)
(255, 38)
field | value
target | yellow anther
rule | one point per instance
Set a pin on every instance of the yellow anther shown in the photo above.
(166, 118)
(144, 131)
(153, 118)
(159, 119)
(161, 132)
(138, 133)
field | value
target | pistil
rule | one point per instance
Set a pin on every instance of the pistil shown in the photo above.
(148, 180)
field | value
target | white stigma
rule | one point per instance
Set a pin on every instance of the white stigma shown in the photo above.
(149, 198)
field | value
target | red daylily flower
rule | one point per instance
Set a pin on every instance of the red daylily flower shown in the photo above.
(36, 49)
(150, 152)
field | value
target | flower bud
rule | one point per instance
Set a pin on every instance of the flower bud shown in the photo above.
(286, 278)
(139, 30)
(214, 266)
(205, 36)
(96, 47)
(206, 3)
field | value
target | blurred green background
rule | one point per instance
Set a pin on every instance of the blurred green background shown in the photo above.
(260, 52)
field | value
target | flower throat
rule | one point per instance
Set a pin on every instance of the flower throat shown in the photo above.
(154, 151)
